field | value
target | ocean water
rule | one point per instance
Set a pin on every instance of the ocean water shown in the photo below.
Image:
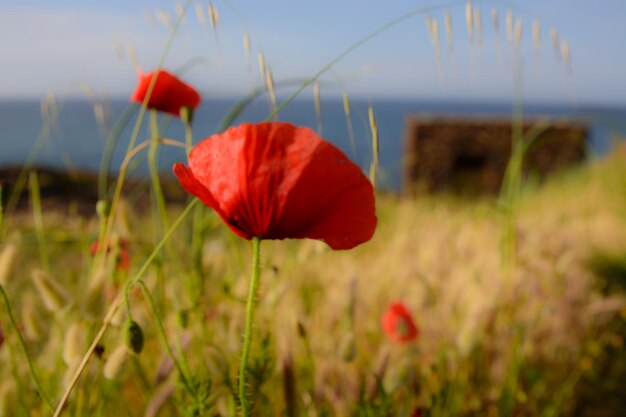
(77, 141)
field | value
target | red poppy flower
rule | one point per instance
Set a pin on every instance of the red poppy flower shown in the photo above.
(169, 94)
(398, 323)
(123, 257)
(277, 181)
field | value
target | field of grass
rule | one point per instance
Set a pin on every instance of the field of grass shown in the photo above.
(517, 300)
(539, 334)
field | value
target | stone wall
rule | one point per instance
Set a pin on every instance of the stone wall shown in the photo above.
(470, 155)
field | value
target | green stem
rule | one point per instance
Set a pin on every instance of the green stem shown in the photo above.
(154, 172)
(107, 155)
(117, 193)
(188, 137)
(163, 335)
(29, 361)
(35, 197)
(254, 283)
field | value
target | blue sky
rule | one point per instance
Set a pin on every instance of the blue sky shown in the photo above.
(66, 44)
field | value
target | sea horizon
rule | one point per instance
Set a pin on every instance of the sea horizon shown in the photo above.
(77, 140)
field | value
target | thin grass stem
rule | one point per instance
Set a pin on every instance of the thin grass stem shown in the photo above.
(22, 343)
(157, 318)
(35, 197)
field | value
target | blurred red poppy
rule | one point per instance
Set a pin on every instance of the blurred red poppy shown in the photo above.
(169, 94)
(277, 181)
(123, 257)
(398, 323)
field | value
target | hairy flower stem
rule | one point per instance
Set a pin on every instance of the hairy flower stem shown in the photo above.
(22, 343)
(254, 284)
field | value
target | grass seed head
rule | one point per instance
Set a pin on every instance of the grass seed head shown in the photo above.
(518, 33)
(346, 104)
(554, 38)
(115, 364)
(31, 319)
(164, 18)
(347, 348)
(478, 23)
(469, 20)
(52, 293)
(214, 16)
(262, 69)
(536, 36)
(8, 258)
(8, 398)
(448, 26)
(180, 12)
(246, 46)
(73, 343)
(200, 14)
(495, 20)
(509, 25)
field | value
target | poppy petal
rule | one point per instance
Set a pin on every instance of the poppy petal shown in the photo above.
(193, 186)
(276, 181)
(169, 94)
(331, 201)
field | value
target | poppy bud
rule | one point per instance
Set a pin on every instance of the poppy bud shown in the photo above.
(8, 257)
(51, 292)
(347, 348)
(186, 115)
(183, 318)
(114, 365)
(133, 337)
(103, 208)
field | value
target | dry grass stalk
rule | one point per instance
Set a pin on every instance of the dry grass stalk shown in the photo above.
(318, 106)
(270, 88)
(448, 26)
(202, 19)
(469, 20)
(164, 18)
(509, 25)
(495, 19)
(518, 33)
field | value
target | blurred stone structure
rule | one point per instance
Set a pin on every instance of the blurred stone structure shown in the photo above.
(469, 155)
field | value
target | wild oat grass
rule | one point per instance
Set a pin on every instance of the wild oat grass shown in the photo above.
(500, 334)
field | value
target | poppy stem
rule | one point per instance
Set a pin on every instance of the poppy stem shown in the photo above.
(254, 283)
